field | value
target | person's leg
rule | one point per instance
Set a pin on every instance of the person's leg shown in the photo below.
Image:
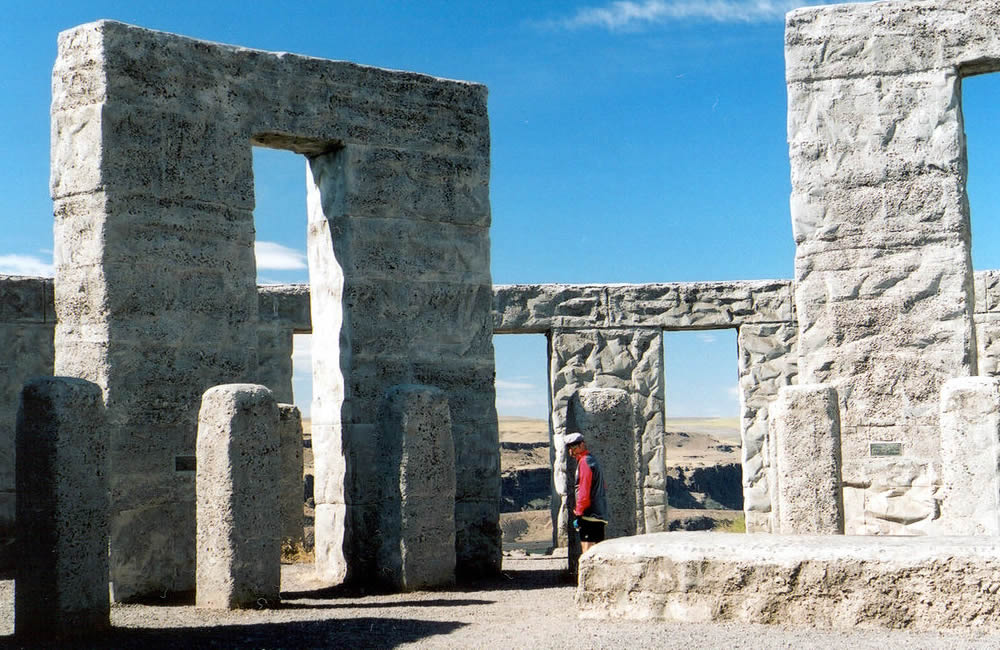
(585, 546)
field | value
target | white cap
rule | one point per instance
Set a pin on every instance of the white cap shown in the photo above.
(572, 439)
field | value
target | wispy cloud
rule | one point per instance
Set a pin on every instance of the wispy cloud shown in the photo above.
(629, 15)
(734, 391)
(277, 257)
(705, 337)
(514, 385)
(26, 265)
(521, 398)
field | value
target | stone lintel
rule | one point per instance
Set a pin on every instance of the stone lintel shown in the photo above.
(534, 308)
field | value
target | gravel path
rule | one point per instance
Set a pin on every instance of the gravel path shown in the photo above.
(530, 606)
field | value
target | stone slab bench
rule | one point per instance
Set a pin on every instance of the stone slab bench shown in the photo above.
(921, 583)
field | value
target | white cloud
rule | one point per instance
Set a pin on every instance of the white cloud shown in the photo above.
(625, 15)
(734, 391)
(707, 338)
(25, 265)
(277, 257)
(514, 385)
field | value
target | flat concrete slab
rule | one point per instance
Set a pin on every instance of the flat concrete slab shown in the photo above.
(923, 583)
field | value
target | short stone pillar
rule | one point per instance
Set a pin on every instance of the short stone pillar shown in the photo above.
(238, 534)
(62, 510)
(604, 417)
(290, 474)
(416, 460)
(805, 424)
(970, 456)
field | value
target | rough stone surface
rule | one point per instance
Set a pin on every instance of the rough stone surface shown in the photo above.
(283, 311)
(605, 417)
(970, 456)
(385, 315)
(883, 278)
(290, 473)
(27, 320)
(239, 530)
(805, 425)
(630, 361)
(415, 462)
(394, 156)
(523, 308)
(62, 511)
(767, 363)
(921, 583)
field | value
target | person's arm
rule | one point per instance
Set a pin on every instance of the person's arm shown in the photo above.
(586, 477)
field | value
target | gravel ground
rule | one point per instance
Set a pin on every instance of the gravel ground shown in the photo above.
(530, 606)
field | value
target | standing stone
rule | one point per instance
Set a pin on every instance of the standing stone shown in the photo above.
(970, 456)
(880, 216)
(416, 458)
(290, 473)
(26, 351)
(62, 511)
(805, 425)
(604, 417)
(629, 361)
(239, 534)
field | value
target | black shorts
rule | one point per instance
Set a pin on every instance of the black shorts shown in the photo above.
(591, 531)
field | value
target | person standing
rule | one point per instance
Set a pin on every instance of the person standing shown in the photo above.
(590, 515)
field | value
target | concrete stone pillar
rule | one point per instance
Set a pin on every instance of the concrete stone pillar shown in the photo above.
(385, 315)
(767, 362)
(970, 456)
(416, 463)
(155, 291)
(238, 535)
(290, 473)
(62, 511)
(805, 425)
(604, 417)
(26, 350)
(629, 360)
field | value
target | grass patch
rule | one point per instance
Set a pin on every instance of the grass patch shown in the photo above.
(738, 525)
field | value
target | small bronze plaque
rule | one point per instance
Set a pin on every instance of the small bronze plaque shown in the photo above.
(184, 463)
(885, 448)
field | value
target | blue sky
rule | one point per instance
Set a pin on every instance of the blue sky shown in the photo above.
(637, 141)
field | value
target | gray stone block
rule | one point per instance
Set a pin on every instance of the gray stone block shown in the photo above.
(239, 525)
(811, 580)
(805, 424)
(970, 456)
(415, 462)
(62, 512)
(290, 473)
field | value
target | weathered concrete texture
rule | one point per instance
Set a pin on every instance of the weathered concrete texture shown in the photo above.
(987, 317)
(283, 311)
(385, 315)
(239, 530)
(679, 305)
(629, 360)
(604, 417)
(970, 456)
(155, 285)
(415, 463)
(767, 362)
(922, 583)
(62, 511)
(883, 279)
(805, 425)
(27, 320)
(395, 156)
(290, 473)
